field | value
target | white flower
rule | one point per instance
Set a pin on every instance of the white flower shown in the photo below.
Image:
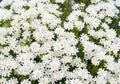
(12, 81)
(100, 80)
(55, 64)
(91, 9)
(117, 2)
(95, 61)
(60, 1)
(79, 25)
(24, 70)
(66, 59)
(110, 13)
(59, 31)
(95, 1)
(37, 74)
(68, 25)
(75, 81)
(39, 44)
(3, 80)
(93, 22)
(108, 20)
(26, 82)
(76, 6)
(44, 80)
(102, 73)
(119, 23)
(58, 75)
(5, 14)
(113, 81)
(35, 47)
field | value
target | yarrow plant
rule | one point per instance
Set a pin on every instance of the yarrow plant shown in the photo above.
(60, 42)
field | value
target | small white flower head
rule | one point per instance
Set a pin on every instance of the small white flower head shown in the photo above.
(75, 81)
(59, 1)
(117, 3)
(95, 1)
(26, 82)
(35, 47)
(119, 23)
(55, 64)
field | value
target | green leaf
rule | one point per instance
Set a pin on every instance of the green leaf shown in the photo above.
(95, 40)
(76, 32)
(118, 31)
(12, 53)
(72, 68)
(84, 30)
(39, 17)
(7, 7)
(34, 82)
(52, 1)
(65, 9)
(28, 20)
(102, 64)
(26, 7)
(39, 58)
(80, 54)
(92, 68)
(5, 23)
(4, 45)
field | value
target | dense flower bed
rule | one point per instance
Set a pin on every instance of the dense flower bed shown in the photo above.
(60, 42)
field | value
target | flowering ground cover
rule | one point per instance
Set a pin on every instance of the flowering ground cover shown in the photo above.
(60, 42)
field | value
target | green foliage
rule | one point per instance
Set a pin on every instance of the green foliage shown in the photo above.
(28, 20)
(26, 7)
(5, 23)
(80, 54)
(72, 68)
(22, 77)
(118, 31)
(19, 77)
(55, 37)
(12, 53)
(39, 58)
(95, 40)
(52, 1)
(28, 41)
(31, 30)
(76, 32)
(7, 7)
(80, 18)
(116, 57)
(20, 34)
(65, 9)
(94, 69)
(84, 30)
(34, 82)
(4, 45)
(39, 17)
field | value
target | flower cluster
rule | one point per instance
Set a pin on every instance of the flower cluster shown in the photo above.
(59, 42)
